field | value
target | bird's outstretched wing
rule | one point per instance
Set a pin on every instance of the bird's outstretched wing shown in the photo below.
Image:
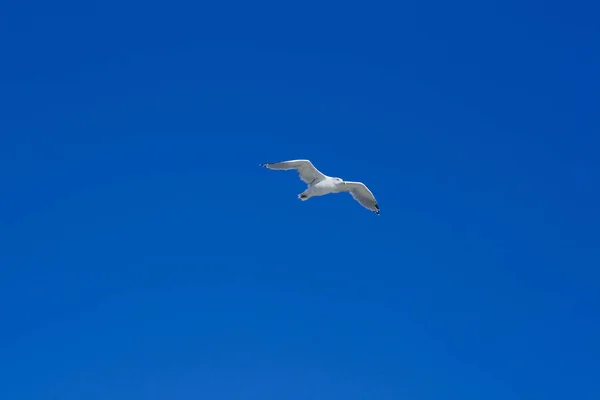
(308, 173)
(362, 194)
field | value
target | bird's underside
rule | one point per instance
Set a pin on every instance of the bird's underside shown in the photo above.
(320, 184)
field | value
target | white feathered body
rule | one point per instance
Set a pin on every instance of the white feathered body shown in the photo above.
(321, 188)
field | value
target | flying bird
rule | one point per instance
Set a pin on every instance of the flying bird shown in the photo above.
(320, 184)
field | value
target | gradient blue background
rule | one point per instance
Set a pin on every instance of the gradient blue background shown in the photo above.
(145, 255)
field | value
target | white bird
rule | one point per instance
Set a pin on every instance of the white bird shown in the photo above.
(320, 184)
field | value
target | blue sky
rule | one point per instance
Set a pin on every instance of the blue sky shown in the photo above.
(145, 254)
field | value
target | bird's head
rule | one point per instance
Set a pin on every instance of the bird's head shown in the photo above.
(339, 181)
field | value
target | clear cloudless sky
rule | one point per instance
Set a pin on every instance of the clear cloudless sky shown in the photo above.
(144, 254)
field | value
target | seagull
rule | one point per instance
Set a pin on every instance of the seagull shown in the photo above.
(320, 184)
